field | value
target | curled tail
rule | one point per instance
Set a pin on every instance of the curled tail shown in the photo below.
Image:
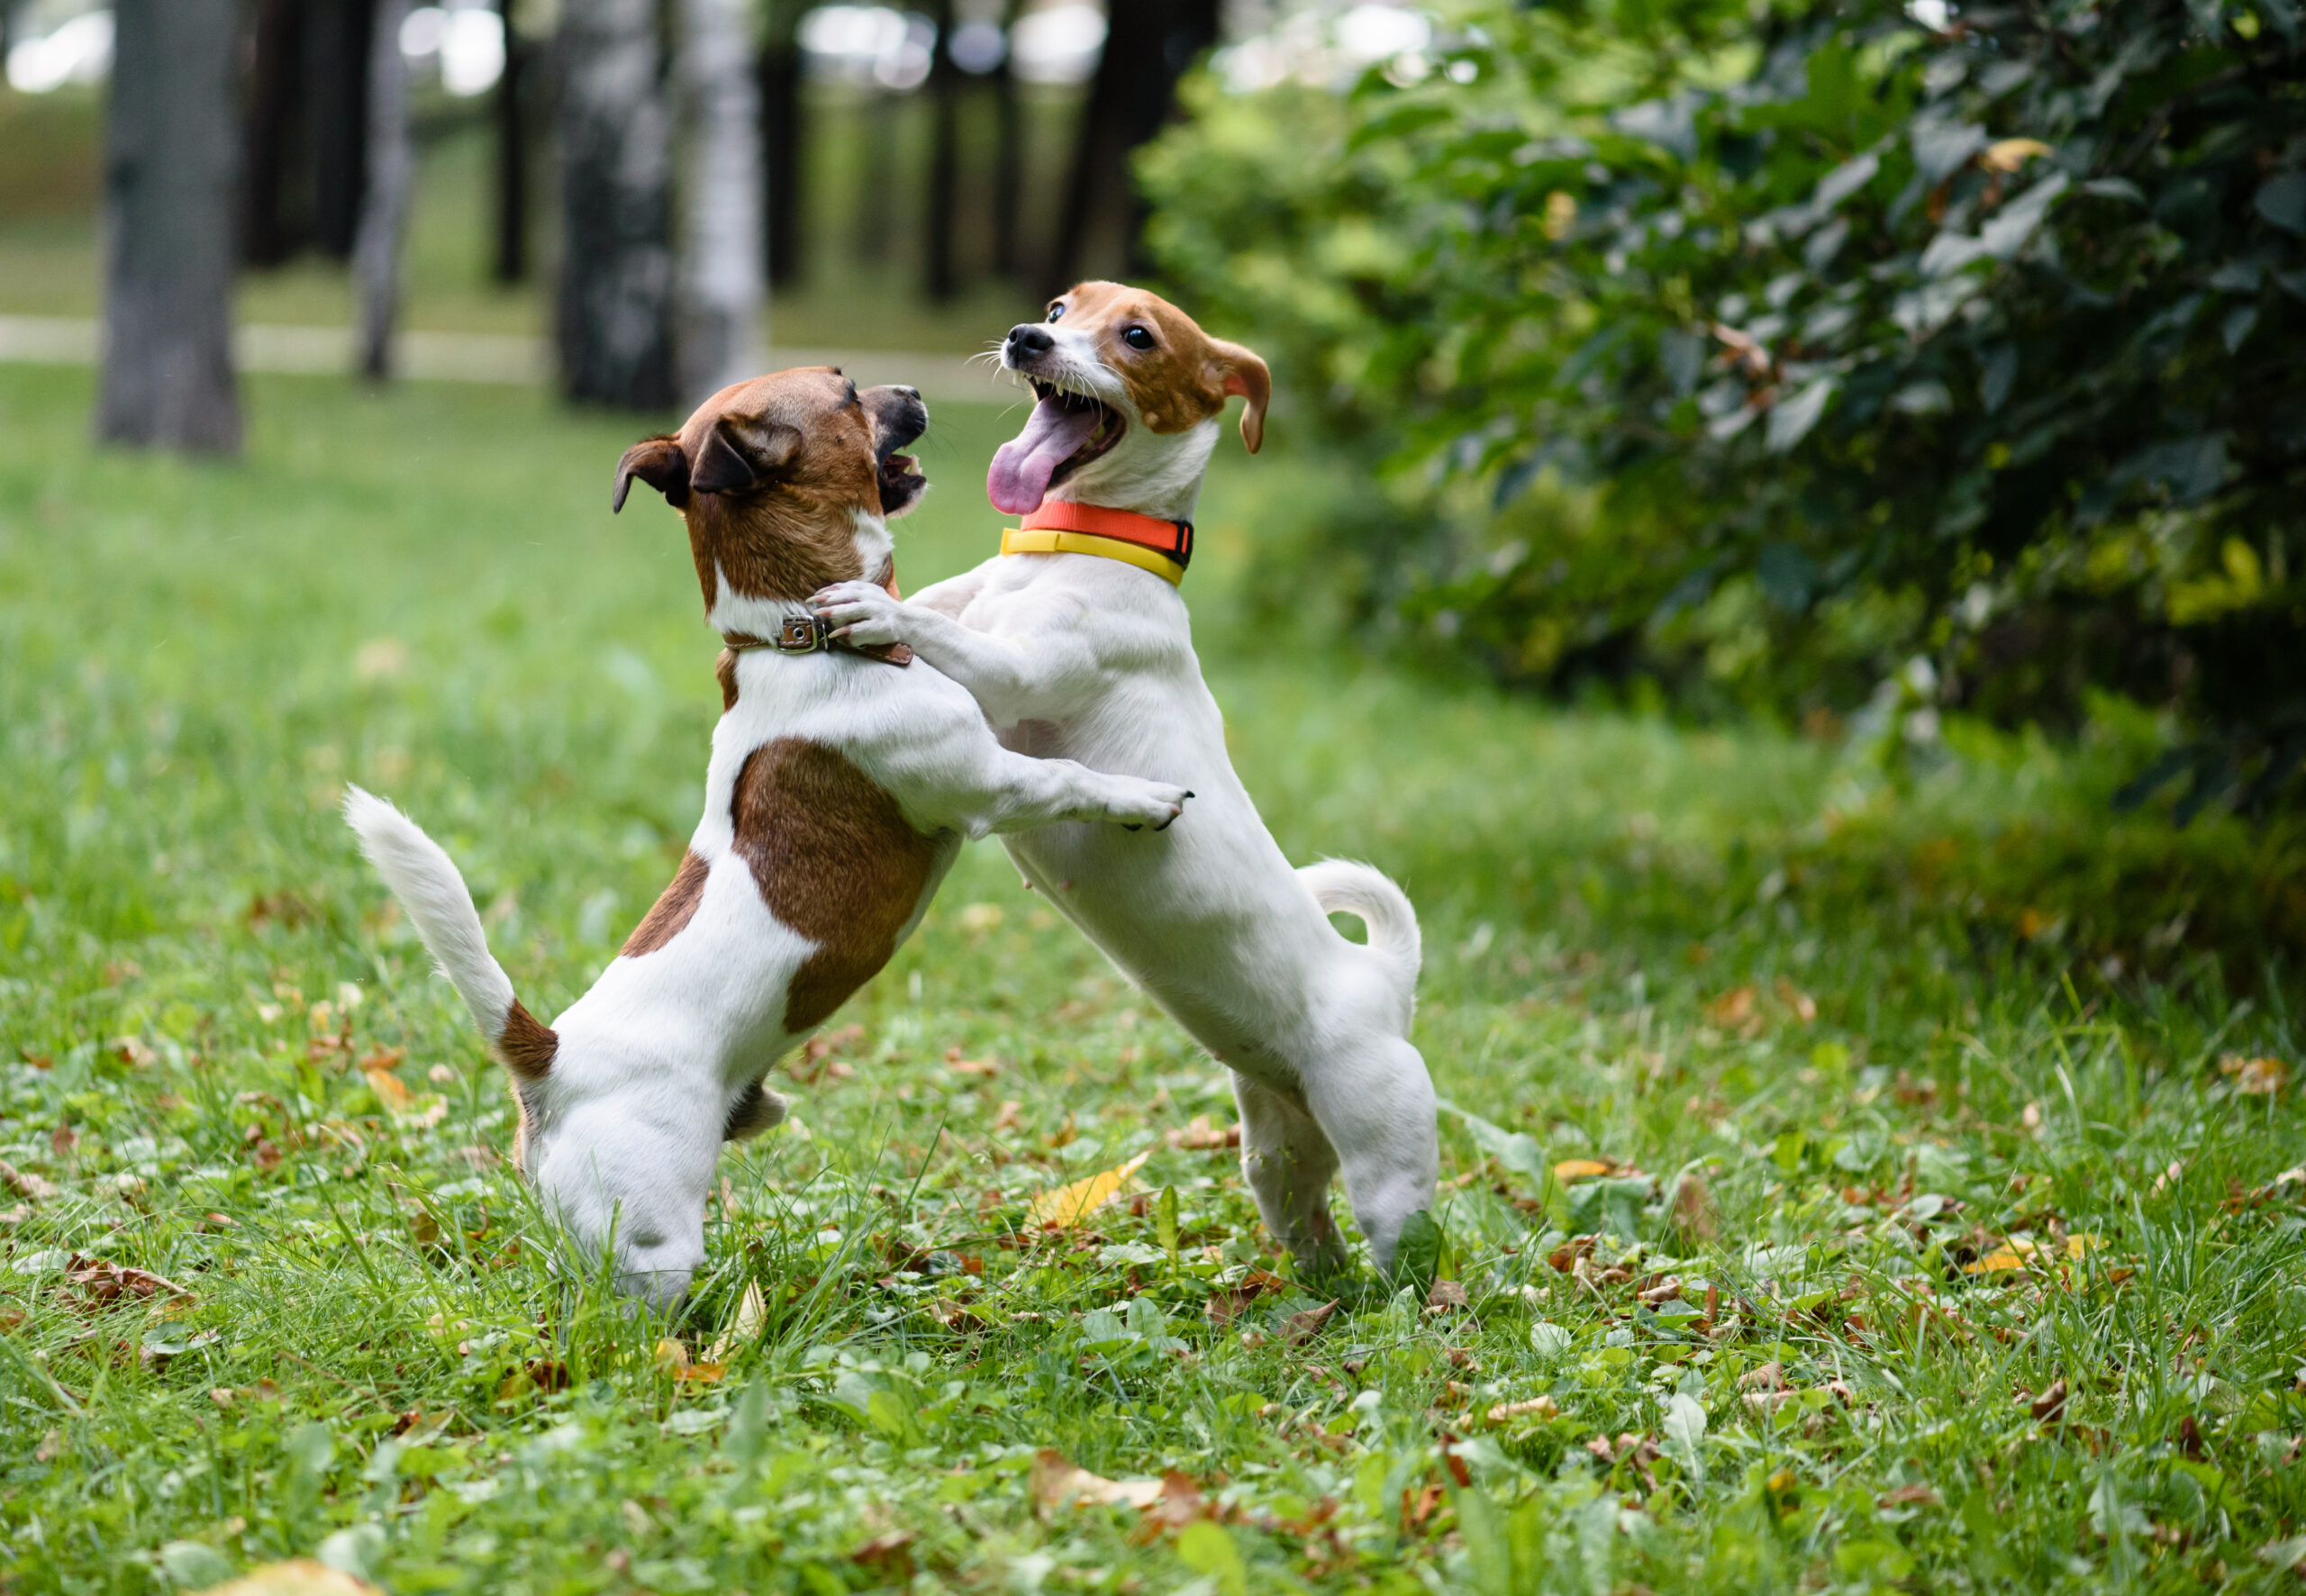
(1364, 890)
(428, 887)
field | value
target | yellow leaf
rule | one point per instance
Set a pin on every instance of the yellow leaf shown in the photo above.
(2081, 1242)
(1999, 1259)
(1069, 1205)
(1579, 1169)
(389, 1089)
(670, 1357)
(299, 1576)
(1057, 1483)
(703, 1374)
(2254, 1077)
(752, 1318)
(2007, 155)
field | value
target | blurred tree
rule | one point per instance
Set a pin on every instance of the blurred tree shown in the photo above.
(171, 154)
(305, 128)
(511, 112)
(275, 103)
(615, 312)
(337, 36)
(781, 126)
(1149, 45)
(940, 275)
(391, 167)
(722, 269)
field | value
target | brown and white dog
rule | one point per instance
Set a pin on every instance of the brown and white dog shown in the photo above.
(840, 787)
(1076, 643)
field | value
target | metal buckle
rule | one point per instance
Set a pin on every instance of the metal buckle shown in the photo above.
(801, 634)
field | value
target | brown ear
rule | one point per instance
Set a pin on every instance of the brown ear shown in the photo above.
(739, 454)
(659, 463)
(1246, 376)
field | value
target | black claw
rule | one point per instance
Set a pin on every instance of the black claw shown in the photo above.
(1189, 792)
(1131, 826)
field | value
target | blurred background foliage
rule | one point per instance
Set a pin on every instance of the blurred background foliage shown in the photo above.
(1818, 361)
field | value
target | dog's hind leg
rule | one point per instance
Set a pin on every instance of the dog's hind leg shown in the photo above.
(1288, 1164)
(1374, 1104)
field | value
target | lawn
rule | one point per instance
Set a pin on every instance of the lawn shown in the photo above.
(1855, 1174)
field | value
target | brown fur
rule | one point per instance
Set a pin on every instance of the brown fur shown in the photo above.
(526, 1045)
(835, 859)
(672, 912)
(1186, 377)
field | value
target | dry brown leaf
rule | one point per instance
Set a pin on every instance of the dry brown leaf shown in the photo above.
(1225, 1303)
(31, 1188)
(2051, 1406)
(1694, 1210)
(104, 1284)
(1541, 1406)
(1180, 1502)
(1201, 1136)
(1446, 1296)
(299, 1576)
(890, 1555)
(1300, 1328)
(1057, 1483)
(1734, 1007)
(1918, 1495)
(1804, 1006)
(390, 1089)
(2253, 1077)
(1068, 1205)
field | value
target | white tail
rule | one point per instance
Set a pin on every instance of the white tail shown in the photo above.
(428, 887)
(1343, 885)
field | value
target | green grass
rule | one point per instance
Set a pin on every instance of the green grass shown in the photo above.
(1890, 1025)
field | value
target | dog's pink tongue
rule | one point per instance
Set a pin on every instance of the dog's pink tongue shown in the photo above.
(1021, 468)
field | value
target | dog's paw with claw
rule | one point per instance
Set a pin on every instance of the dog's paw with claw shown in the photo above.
(1138, 803)
(864, 615)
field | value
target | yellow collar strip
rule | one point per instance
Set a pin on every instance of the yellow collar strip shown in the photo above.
(1044, 541)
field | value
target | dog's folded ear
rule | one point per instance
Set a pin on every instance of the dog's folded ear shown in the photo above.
(659, 463)
(1246, 376)
(739, 453)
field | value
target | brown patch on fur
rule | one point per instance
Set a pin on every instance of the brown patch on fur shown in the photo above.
(672, 911)
(1186, 377)
(724, 671)
(526, 1045)
(835, 859)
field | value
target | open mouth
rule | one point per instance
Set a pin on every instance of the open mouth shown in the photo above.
(900, 480)
(1066, 432)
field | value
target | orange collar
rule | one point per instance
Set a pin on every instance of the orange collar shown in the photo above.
(1164, 548)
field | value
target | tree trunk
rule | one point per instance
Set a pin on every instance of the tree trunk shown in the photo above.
(170, 158)
(276, 110)
(337, 38)
(781, 139)
(375, 263)
(512, 230)
(723, 275)
(1009, 152)
(616, 289)
(1148, 44)
(942, 275)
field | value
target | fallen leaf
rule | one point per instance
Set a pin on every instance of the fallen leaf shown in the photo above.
(104, 1284)
(1768, 1377)
(2253, 1077)
(890, 1555)
(1057, 1483)
(1225, 1303)
(1804, 1006)
(1734, 1007)
(1201, 1136)
(390, 1091)
(1180, 1503)
(32, 1188)
(2007, 155)
(1918, 1495)
(1694, 1210)
(1541, 1406)
(1447, 1296)
(1068, 1205)
(1580, 1169)
(1300, 1328)
(299, 1576)
(2047, 1408)
(2000, 1258)
(751, 1319)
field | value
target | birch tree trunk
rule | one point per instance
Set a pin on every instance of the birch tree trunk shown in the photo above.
(170, 150)
(616, 285)
(383, 208)
(721, 276)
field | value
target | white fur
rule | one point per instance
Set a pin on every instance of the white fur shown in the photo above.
(625, 1129)
(1089, 658)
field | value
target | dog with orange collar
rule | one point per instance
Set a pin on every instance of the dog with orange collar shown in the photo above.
(843, 780)
(1076, 643)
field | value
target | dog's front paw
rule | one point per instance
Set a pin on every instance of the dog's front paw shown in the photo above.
(861, 612)
(1137, 804)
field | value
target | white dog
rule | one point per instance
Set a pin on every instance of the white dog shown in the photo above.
(840, 790)
(1077, 644)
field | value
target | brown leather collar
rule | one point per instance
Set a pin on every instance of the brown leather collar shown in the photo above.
(812, 634)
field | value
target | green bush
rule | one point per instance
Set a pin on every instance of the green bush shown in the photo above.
(1803, 360)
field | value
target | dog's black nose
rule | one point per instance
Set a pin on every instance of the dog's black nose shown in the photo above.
(1028, 339)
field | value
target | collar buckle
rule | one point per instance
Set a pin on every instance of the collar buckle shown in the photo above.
(802, 634)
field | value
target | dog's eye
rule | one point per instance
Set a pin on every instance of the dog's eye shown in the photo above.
(1056, 311)
(1136, 337)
